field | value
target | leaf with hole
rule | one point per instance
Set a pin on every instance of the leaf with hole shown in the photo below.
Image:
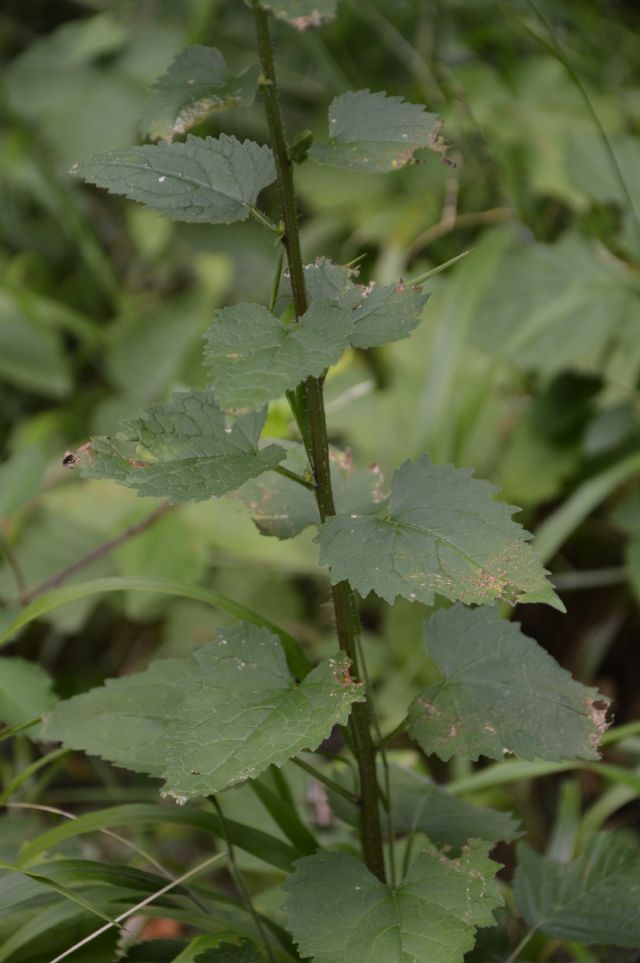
(281, 507)
(337, 910)
(211, 180)
(254, 357)
(206, 722)
(196, 84)
(375, 132)
(184, 450)
(443, 533)
(493, 681)
(592, 899)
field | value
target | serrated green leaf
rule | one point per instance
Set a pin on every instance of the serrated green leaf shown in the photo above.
(196, 84)
(212, 180)
(254, 357)
(184, 450)
(420, 805)
(217, 718)
(374, 132)
(20, 478)
(380, 314)
(301, 14)
(593, 899)
(500, 691)
(283, 508)
(337, 910)
(26, 691)
(445, 533)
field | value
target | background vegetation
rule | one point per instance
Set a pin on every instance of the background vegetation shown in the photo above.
(526, 367)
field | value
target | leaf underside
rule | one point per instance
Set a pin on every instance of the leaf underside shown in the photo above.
(337, 910)
(376, 133)
(184, 450)
(500, 691)
(196, 84)
(217, 718)
(283, 508)
(212, 180)
(593, 899)
(444, 533)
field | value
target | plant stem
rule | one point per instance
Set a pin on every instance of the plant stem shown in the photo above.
(298, 479)
(318, 448)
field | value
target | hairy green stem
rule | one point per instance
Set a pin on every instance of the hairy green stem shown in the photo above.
(314, 430)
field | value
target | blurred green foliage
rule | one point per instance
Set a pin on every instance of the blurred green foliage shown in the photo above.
(526, 367)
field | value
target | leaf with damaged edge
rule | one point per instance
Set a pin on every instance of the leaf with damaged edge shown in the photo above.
(254, 357)
(592, 899)
(217, 718)
(211, 180)
(374, 132)
(337, 910)
(196, 84)
(443, 533)
(498, 692)
(184, 450)
(301, 14)
(280, 507)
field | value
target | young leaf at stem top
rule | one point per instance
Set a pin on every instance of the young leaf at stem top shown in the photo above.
(376, 133)
(184, 450)
(219, 717)
(444, 532)
(196, 84)
(494, 681)
(210, 180)
(338, 911)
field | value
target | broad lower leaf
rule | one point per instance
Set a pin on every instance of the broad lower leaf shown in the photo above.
(420, 805)
(374, 132)
(380, 314)
(197, 83)
(301, 14)
(215, 180)
(283, 508)
(26, 691)
(183, 450)
(338, 911)
(254, 357)
(498, 692)
(444, 532)
(593, 899)
(206, 722)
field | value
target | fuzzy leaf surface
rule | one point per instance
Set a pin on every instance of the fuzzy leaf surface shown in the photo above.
(380, 313)
(337, 910)
(254, 357)
(196, 84)
(374, 132)
(443, 533)
(302, 14)
(593, 899)
(498, 689)
(212, 180)
(283, 508)
(183, 450)
(219, 717)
